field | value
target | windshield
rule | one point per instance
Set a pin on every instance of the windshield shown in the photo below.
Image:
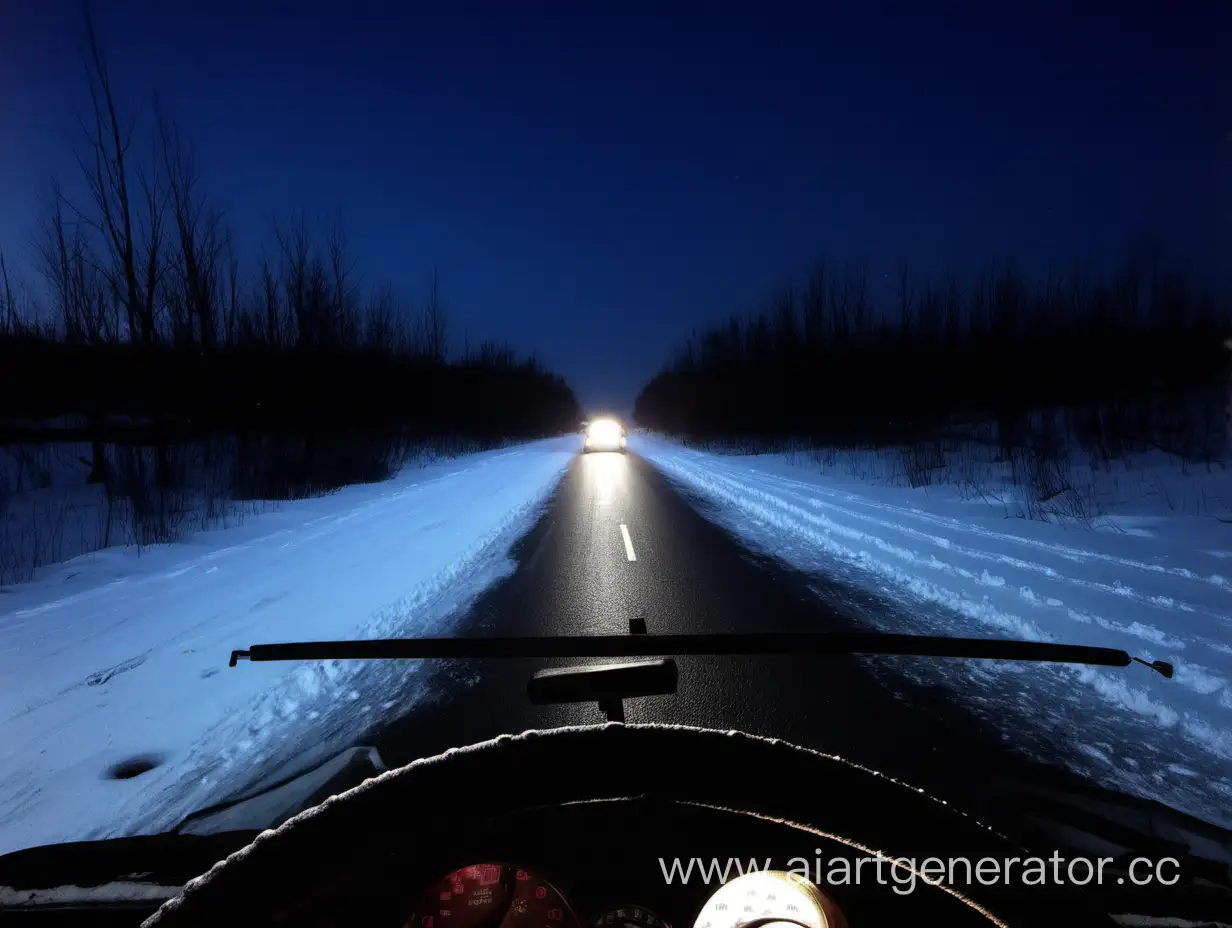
(360, 323)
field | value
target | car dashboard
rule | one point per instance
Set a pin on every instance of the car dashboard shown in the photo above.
(617, 864)
(614, 863)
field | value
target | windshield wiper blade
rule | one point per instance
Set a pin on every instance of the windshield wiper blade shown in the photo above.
(575, 646)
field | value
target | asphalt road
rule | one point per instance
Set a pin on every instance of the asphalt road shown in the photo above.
(618, 541)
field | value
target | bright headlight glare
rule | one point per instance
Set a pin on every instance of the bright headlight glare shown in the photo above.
(605, 431)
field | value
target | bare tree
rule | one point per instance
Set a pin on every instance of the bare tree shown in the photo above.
(435, 325)
(344, 304)
(60, 257)
(231, 311)
(85, 305)
(855, 280)
(849, 301)
(130, 224)
(200, 240)
(270, 325)
(9, 323)
(295, 255)
(759, 342)
(815, 306)
(906, 297)
(496, 355)
(383, 322)
(786, 324)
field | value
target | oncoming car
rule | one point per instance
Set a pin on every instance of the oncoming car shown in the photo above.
(605, 435)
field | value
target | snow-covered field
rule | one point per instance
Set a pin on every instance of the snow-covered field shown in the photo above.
(1152, 576)
(112, 657)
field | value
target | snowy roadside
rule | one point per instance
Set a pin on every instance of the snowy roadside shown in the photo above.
(115, 659)
(1149, 581)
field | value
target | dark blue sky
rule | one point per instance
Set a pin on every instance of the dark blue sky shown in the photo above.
(592, 185)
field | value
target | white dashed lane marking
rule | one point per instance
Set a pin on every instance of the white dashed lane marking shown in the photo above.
(624, 531)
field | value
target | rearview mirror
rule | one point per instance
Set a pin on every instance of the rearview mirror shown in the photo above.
(607, 684)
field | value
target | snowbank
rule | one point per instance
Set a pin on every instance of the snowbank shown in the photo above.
(114, 662)
(1151, 577)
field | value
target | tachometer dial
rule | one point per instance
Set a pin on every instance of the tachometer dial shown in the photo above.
(492, 896)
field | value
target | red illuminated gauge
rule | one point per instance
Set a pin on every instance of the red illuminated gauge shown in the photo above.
(492, 896)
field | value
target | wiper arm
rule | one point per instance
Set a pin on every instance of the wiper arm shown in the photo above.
(821, 643)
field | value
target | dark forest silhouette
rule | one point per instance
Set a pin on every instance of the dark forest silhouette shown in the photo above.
(147, 313)
(191, 376)
(1131, 363)
(147, 310)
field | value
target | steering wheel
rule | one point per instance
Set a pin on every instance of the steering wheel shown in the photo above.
(769, 779)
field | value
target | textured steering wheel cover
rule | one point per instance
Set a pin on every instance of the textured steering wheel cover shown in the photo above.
(733, 770)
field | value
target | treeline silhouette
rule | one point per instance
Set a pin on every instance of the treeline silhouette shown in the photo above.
(121, 391)
(147, 315)
(1132, 362)
(283, 393)
(183, 376)
(331, 386)
(289, 388)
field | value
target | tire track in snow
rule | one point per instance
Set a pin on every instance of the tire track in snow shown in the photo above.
(1075, 554)
(1026, 594)
(1117, 588)
(821, 532)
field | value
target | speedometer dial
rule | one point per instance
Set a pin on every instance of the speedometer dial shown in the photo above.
(769, 899)
(492, 896)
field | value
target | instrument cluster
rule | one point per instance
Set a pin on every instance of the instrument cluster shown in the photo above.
(504, 895)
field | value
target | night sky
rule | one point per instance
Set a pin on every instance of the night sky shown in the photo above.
(593, 185)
